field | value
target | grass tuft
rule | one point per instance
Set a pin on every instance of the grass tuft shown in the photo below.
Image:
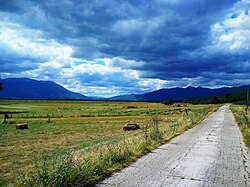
(242, 116)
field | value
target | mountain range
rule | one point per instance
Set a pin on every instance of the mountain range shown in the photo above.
(180, 94)
(25, 88)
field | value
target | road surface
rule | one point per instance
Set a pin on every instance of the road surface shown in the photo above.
(211, 154)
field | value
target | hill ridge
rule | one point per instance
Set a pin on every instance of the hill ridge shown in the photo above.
(26, 88)
(180, 94)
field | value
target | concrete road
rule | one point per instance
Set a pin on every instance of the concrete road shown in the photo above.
(211, 154)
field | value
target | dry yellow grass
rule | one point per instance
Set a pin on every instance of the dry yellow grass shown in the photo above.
(75, 125)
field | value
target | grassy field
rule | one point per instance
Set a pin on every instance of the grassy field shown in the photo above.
(242, 117)
(86, 128)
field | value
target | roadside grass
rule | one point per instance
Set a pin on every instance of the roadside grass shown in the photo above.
(242, 116)
(75, 169)
(84, 142)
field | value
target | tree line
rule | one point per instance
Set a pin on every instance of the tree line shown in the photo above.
(239, 97)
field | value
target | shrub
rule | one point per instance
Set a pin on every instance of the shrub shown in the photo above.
(169, 101)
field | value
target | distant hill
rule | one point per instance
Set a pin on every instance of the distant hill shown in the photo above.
(239, 97)
(179, 94)
(24, 88)
(131, 97)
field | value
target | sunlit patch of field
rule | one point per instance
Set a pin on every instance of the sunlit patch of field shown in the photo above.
(58, 127)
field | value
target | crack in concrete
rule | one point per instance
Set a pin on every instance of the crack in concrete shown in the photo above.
(190, 178)
(183, 156)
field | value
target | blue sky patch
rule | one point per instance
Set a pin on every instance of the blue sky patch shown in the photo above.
(79, 63)
(100, 62)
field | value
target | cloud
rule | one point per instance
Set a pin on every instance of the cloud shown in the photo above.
(232, 33)
(118, 47)
(91, 76)
(27, 45)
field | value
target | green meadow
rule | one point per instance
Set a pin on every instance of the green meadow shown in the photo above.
(88, 132)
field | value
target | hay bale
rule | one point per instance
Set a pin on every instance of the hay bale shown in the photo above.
(129, 127)
(22, 126)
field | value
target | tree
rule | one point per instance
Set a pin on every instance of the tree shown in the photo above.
(214, 100)
(1, 87)
(188, 100)
(169, 101)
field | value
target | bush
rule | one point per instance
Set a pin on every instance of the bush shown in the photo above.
(169, 101)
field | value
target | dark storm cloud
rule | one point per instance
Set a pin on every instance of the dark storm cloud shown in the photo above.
(15, 68)
(125, 27)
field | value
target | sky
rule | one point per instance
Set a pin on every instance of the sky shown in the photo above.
(106, 48)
